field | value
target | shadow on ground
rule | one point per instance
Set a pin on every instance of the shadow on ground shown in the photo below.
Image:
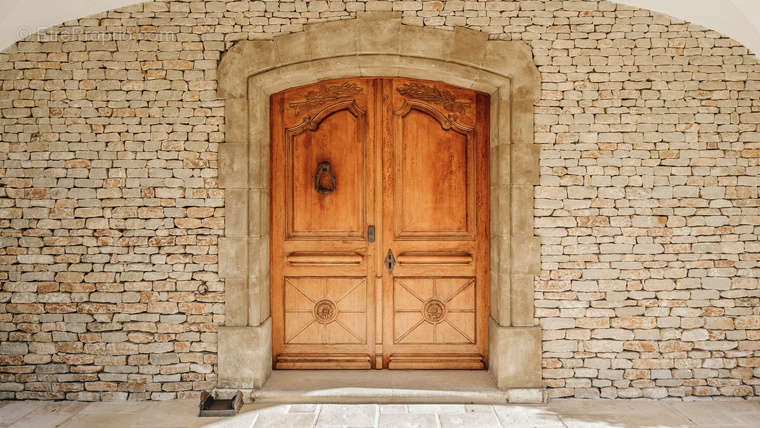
(557, 413)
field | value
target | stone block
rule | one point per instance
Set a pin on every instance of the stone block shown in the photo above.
(522, 208)
(336, 38)
(525, 254)
(515, 60)
(257, 210)
(501, 164)
(236, 302)
(292, 48)
(233, 258)
(233, 166)
(244, 59)
(501, 224)
(522, 122)
(245, 356)
(521, 300)
(524, 160)
(381, 65)
(468, 47)
(526, 396)
(499, 301)
(236, 213)
(378, 32)
(258, 280)
(514, 356)
(236, 121)
(424, 42)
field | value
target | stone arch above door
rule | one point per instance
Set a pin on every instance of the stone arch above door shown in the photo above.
(377, 44)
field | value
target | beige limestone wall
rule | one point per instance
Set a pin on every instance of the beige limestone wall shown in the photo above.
(111, 213)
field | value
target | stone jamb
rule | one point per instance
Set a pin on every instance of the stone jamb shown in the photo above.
(377, 44)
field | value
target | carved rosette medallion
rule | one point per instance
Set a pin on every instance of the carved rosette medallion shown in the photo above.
(325, 94)
(442, 97)
(325, 311)
(434, 311)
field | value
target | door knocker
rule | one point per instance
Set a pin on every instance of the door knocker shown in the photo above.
(322, 168)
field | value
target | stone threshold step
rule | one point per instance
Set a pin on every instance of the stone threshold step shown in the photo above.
(389, 387)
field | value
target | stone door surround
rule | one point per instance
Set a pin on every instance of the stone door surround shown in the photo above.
(377, 44)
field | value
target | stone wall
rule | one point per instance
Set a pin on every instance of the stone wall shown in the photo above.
(110, 211)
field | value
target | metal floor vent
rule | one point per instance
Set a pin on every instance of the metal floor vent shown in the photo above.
(213, 407)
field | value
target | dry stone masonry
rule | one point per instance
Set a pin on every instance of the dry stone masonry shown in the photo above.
(647, 209)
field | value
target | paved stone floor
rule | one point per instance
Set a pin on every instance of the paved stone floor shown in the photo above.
(558, 413)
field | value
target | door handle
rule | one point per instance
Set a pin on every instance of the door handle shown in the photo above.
(390, 261)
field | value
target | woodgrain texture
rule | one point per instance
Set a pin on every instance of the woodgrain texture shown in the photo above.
(435, 195)
(322, 295)
(410, 158)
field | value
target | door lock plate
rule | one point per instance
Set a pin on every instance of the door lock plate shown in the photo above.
(390, 261)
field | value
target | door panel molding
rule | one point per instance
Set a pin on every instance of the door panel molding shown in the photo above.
(324, 258)
(434, 258)
(405, 203)
(446, 122)
(295, 205)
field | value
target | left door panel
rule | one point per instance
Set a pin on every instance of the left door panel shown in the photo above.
(323, 301)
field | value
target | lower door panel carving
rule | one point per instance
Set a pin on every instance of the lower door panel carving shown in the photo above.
(434, 311)
(327, 311)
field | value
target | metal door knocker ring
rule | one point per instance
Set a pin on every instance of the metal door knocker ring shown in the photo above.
(322, 168)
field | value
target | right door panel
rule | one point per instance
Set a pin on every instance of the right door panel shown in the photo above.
(435, 212)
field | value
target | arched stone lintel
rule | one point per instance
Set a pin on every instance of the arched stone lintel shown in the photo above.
(377, 44)
(379, 33)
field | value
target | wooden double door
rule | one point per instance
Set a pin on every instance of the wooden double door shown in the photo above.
(380, 205)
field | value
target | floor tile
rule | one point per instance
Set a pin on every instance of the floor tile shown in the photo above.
(709, 414)
(123, 408)
(469, 420)
(303, 408)
(393, 408)
(436, 408)
(478, 408)
(407, 420)
(343, 415)
(527, 416)
(15, 410)
(49, 414)
(574, 423)
(245, 420)
(283, 420)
